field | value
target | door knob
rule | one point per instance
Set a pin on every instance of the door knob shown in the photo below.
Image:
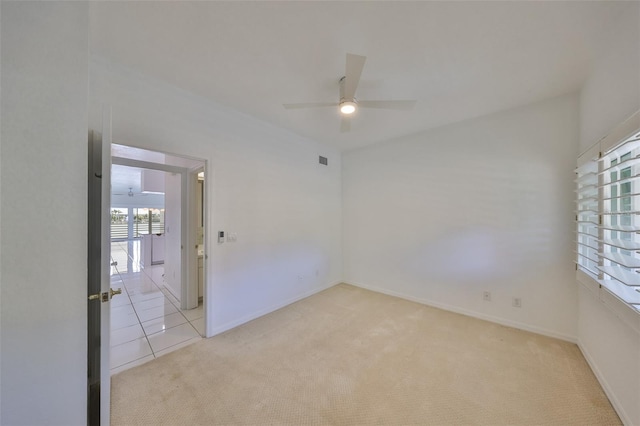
(105, 296)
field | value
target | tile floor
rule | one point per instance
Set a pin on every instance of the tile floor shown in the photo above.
(146, 319)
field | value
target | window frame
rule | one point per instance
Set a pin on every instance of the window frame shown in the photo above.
(602, 263)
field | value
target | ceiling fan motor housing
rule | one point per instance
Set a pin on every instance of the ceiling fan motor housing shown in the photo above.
(348, 107)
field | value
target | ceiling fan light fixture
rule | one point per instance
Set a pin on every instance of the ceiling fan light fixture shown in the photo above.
(348, 107)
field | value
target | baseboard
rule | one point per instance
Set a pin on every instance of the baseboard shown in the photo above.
(235, 323)
(617, 406)
(469, 313)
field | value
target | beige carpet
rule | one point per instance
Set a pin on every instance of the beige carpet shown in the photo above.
(348, 356)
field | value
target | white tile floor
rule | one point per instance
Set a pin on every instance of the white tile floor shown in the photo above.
(146, 319)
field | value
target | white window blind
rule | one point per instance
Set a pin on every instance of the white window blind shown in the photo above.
(608, 217)
(587, 218)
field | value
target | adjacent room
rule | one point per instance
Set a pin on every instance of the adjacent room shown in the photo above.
(158, 310)
(391, 212)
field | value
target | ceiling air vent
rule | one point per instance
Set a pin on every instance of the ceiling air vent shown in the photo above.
(323, 160)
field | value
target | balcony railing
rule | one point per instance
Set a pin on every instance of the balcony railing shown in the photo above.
(120, 230)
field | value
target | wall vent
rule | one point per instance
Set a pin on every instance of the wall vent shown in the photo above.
(323, 160)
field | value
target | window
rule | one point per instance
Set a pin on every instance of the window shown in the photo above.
(133, 222)
(608, 217)
(119, 223)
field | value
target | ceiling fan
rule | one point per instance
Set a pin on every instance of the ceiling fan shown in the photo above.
(131, 193)
(348, 104)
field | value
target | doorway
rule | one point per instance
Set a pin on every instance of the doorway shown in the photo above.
(158, 253)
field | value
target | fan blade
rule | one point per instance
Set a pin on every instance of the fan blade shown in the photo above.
(345, 125)
(355, 64)
(401, 105)
(309, 105)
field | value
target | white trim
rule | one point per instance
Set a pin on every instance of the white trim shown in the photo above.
(617, 406)
(619, 308)
(235, 323)
(622, 310)
(588, 283)
(620, 133)
(612, 139)
(469, 313)
(589, 155)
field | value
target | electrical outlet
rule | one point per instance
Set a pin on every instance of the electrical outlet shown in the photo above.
(486, 296)
(517, 302)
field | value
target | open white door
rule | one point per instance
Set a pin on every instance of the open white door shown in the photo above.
(98, 274)
(105, 278)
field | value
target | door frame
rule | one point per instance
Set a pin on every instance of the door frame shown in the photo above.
(189, 258)
(192, 234)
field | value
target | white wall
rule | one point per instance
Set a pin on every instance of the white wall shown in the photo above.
(265, 185)
(44, 213)
(173, 233)
(610, 95)
(486, 204)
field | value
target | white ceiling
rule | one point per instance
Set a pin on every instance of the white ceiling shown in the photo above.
(125, 178)
(458, 59)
